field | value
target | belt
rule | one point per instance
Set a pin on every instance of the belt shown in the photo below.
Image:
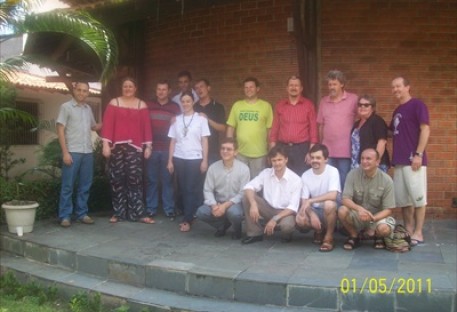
(293, 144)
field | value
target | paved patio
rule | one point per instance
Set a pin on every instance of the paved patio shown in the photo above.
(157, 266)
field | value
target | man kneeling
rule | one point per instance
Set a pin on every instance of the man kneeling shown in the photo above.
(321, 185)
(281, 199)
(223, 191)
(368, 199)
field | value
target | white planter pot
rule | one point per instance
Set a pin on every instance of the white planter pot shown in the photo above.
(20, 213)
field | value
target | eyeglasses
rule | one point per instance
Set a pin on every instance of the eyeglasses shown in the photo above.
(366, 105)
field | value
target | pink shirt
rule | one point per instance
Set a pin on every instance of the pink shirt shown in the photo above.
(127, 125)
(337, 119)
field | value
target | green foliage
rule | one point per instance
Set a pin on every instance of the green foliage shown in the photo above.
(83, 302)
(9, 286)
(9, 115)
(77, 24)
(7, 161)
(50, 159)
(123, 308)
(32, 297)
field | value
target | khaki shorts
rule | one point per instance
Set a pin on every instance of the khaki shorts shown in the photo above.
(360, 225)
(410, 186)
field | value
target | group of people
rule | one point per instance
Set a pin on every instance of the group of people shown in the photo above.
(283, 169)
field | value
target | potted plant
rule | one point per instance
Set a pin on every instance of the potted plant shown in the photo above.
(20, 215)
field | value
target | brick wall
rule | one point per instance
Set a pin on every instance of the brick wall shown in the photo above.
(226, 44)
(371, 41)
(374, 41)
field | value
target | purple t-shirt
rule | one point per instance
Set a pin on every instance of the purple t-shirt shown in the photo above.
(406, 121)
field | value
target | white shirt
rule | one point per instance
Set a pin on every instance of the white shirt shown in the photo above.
(189, 142)
(316, 185)
(279, 193)
(177, 98)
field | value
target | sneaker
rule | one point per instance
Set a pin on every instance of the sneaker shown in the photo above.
(86, 220)
(65, 223)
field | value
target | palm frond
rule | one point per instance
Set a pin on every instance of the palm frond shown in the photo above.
(10, 113)
(78, 25)
(11, 66)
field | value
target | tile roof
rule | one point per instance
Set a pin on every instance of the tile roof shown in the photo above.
(36, 82)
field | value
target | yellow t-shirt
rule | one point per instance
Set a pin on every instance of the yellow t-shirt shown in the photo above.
(251, 122)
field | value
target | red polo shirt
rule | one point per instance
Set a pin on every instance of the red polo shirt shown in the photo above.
(294, 123)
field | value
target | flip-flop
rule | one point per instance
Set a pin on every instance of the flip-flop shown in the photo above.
(147, 220)
(416, 242)
(327, 246)
(114, 219)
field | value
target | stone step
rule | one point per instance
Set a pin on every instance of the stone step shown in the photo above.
(185, 278)
(283, 276)
(115, 294)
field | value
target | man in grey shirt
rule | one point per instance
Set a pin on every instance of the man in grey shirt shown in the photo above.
(74, 125)
(223, 191)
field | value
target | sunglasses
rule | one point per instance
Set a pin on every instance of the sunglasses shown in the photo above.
(363, 105)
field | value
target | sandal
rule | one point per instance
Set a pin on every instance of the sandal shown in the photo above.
(327, 245)
(147, 220)
(114, 219)
(318, 237)
(379, 243)
(351, 243)
(184, 227)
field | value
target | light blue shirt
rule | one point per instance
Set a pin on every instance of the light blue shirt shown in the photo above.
(78, 121)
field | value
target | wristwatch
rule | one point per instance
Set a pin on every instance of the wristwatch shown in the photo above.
(419, 154)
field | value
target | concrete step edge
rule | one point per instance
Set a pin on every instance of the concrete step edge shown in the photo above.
(115, 294)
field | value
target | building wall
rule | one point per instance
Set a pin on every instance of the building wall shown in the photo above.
(48, 109)
(371, 41)
(375, 41)
(225, 44)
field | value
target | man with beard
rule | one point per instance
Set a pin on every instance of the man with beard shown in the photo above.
(294, 126)
(321, 185)
(337, 112)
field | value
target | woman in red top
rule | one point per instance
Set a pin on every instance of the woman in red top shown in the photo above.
(127, 137)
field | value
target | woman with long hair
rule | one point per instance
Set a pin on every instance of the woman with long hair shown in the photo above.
(188, 157)
(127, 138)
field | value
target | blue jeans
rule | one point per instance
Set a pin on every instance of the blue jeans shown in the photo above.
(158, 174)
(189, 183)
(82, 169)
(343, 165)
(234, 215)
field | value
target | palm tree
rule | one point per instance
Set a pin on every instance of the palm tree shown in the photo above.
(77, 24)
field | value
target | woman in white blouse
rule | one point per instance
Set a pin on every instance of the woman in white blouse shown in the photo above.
(189, 157)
